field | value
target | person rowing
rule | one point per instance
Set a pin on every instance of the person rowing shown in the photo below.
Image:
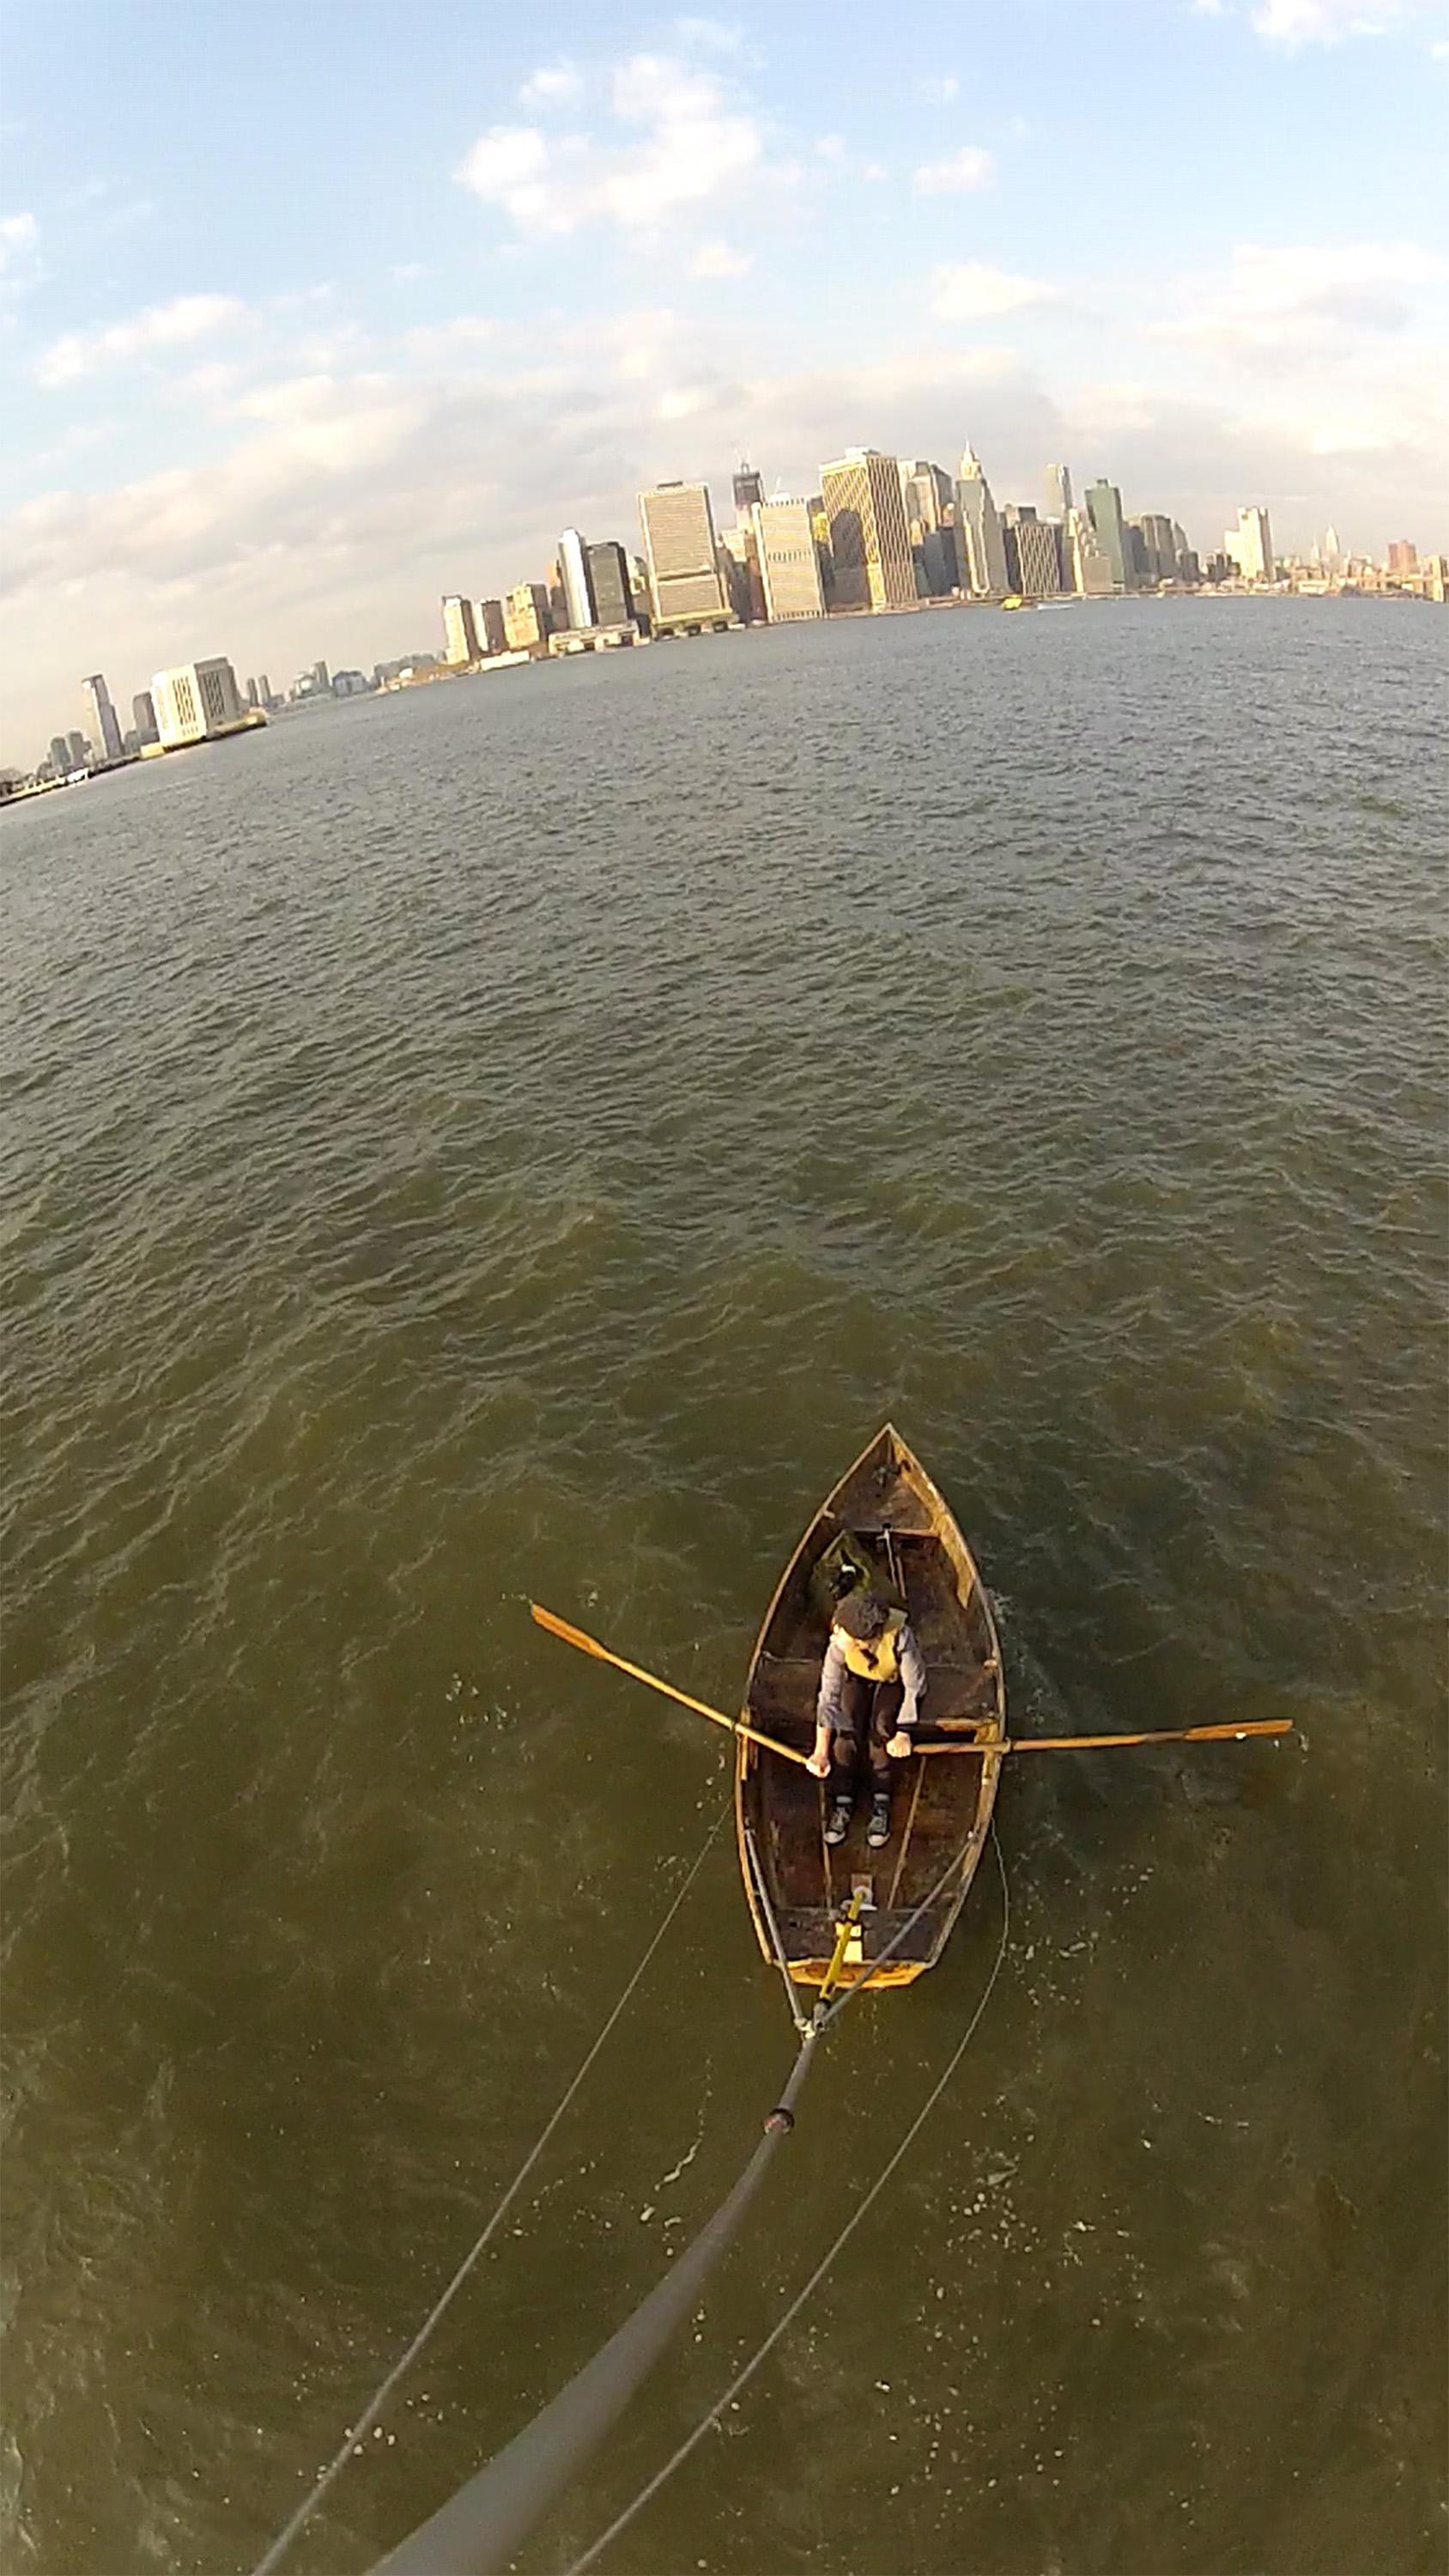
(871, 1686)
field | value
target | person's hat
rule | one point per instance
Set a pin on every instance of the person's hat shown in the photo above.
(862, 1615)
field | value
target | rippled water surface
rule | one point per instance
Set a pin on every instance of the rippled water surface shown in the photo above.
(522, 1138)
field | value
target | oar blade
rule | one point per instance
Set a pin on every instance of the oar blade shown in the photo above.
(571, 1636)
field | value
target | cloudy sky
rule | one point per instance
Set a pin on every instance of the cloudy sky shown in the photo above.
(315, 309)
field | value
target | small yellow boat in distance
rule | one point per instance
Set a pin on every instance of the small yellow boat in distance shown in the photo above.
(886, 1526)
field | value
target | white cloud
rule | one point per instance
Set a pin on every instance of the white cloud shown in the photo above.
(161, 326)
(968, 168)
(552, 85)
(831, 147)
(19, 235)
(1297, 298)
(405, 272)
(691, 144)
(1322, 22)
(939, 90)
(716, 259)
(971, 292)
(511, 167)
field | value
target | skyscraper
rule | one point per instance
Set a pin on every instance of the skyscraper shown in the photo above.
(264, 691)
(1332, 553)
(460, 633)
(1250, 545)
(1038, 559)
(1161, 544)
(679, 547)
(749, 488)
(979, 546)
(1104, 509)
(105, 729)
(80, 750)
(927, 500)
(609, 583)
(869, 546)
(143, 715)
(1058, 493)
(1088, 569)
(488, 618)
(789, 564)
(578, 590)
(60, 759)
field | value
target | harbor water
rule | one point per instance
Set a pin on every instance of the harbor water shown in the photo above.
(520, 1139)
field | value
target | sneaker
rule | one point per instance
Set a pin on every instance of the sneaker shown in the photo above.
(878, 1831)
(837, 1823)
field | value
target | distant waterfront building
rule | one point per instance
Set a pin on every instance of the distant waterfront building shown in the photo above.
(928, 501)
(322, 676)
(869, 546)
(251, 694)
(350, 684)
(979, 547)
(1137, 555)
(488, 619)
(1038, 556)
(79, 749)
(749, 488)
(1332, 551)
(1058, 493)
(578, 589)
(264, 691)
(609, 583)
(143, 716)
(739, 574)
(196, 701)
(1403, 557)
(1089, 571)
(682, 555)
(60, 759)
(789, 564)
(460, 632)
(1250, 545)
(1160, 543)
(1104, 509)
(105, 727)
(527, 624)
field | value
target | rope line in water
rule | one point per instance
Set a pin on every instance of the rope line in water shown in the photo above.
(742, 2377)
(376, 2403)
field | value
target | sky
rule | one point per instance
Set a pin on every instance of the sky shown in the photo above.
(310, 314)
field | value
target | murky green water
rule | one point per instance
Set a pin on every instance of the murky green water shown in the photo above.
(521, 1139)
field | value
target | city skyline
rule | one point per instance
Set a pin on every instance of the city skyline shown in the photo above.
(271, 385)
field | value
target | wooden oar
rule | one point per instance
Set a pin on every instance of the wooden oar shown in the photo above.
(1115, 1743)
(590, 1646)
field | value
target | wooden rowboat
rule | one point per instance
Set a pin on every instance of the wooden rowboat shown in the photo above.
(884, 1524)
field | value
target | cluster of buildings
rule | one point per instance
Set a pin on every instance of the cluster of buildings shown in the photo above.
(882, 534)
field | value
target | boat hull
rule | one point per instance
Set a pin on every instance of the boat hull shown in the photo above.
(887, 1522)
